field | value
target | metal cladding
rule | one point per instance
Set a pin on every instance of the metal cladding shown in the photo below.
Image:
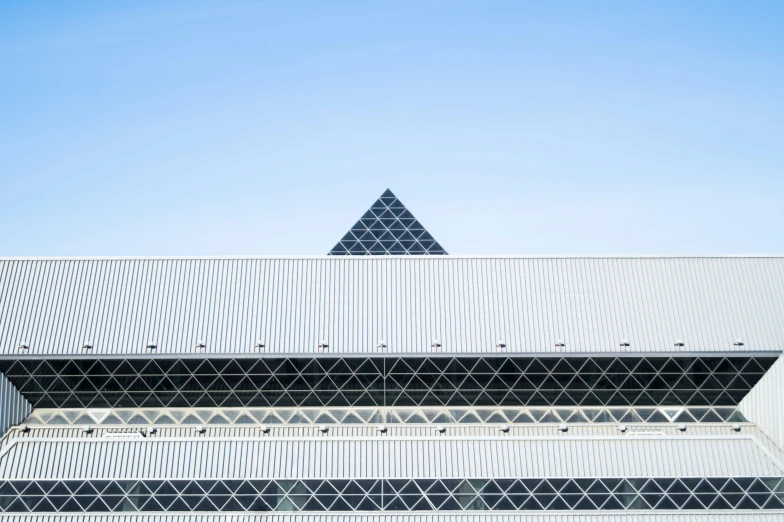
(391, 388)
(13, 406)
(764, 403)
(414, 304)
(389, 457)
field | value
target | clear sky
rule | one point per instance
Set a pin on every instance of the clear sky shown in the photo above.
(268, 127)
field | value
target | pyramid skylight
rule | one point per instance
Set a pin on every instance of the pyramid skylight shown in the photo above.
(388, 228)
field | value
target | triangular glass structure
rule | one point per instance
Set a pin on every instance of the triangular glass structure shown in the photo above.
(387, 228)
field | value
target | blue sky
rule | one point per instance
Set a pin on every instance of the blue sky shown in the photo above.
(243, 128)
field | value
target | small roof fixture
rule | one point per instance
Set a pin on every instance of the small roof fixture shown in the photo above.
(504, 428)
(679, 343)
(201, 343)
(323, 344)
(500, 344)
(323, 428)
(560, 343)
(201, 429)
(738, 342)
(25, 428)
(736, 427)
(563, 427)
(259, 344)
(435, 344)
(381, 344)
(87, 345)
(87, 429)
(152, 429)
(24, 345)
(622, 428)
(381, 428)
(441, 428)
(152, 345)
(264, 428)
(682, 427)
(625, 343)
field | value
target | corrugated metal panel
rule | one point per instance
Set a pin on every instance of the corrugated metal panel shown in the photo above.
(764, 404)
(374, 458)
(466, 302)
(13, 407)
(559, 516)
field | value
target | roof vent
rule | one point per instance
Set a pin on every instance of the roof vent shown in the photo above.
(152, 345)
(435, 344)
(87, 345)
(24, 345)
(259, 344)
(560, 343)
(679, 343)
(382, 344)
(738, 342)
(200, 344)
(625, 343)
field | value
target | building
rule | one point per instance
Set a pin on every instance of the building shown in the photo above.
(408, 385)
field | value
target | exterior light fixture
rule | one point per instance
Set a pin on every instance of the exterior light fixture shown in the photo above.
(504, 428)
(152, 429)
(679, 343)
(435, 344)
(152, 345)
(682, 427)
(25, 428)
(24, 345)
(381, 428)
(259, 344)
(738, 342)
(500, 344)
(87, 345)
(201, 429)
(622, 428)
(323, 345)
(625, 343)
(563, 427)
(559, 343)
(200, 344)
(736, 427)
(323, 428)
(382, 345)
(87, 429)
(441, 429)
(264, 428)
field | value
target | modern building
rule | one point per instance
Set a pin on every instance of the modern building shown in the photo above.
(389, 381)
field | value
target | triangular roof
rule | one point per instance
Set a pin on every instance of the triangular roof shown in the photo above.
(388, 228)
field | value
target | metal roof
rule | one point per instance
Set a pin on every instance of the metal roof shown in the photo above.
(390, 457)
(468, 304)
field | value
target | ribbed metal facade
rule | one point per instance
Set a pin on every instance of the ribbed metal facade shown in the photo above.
(413, 517)
(765, 402)
(13, 407)
(390, 458)
(119, 306)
